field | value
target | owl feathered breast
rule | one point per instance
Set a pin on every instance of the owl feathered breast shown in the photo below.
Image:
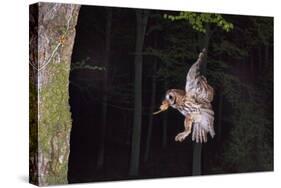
(197, 88)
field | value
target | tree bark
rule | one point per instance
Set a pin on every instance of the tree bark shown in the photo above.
(55, 35)
(33, 94)
(100, 161)
(142, 17)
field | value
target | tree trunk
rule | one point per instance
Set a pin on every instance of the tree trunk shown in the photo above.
(142, 16)
(152, 104)
(165, 121)
(260, 59)
(33, 95)
(165, 125)
(266, 54)
(197, 147)
(55, 35)
(196, 164)
(100, 161)
(252, 67)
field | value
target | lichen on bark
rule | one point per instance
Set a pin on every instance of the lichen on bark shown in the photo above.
(56, 33)
(55, 124)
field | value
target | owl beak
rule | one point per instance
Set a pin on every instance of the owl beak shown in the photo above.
(165, 105)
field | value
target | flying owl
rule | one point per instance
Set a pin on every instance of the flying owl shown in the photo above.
(194, 103)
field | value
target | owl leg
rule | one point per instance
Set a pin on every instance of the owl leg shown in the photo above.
(187, 129)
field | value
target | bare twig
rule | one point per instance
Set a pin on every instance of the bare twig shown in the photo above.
(52, 55)
(61, 40)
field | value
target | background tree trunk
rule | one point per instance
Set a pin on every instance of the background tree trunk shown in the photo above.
(55, 33)
(100, 161)
(220, 115)
(197, 147)
(266, 55)
(252, 67)
(260, 59)
(152, 104)
(165, 122)
(142, 16)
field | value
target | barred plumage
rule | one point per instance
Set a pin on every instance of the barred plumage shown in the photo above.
(194, 103)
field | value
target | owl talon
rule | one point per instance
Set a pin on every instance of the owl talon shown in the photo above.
(181, 136)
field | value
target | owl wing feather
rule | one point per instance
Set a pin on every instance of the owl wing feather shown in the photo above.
(198, 88)
(196, 84)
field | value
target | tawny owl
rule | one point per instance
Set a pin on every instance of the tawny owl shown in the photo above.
(194, 103)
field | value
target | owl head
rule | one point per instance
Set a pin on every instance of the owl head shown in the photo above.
(170, 99)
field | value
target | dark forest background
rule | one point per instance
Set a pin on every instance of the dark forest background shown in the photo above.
(124, 60)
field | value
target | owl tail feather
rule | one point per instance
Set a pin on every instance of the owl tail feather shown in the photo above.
(202, 128)
(199, 135)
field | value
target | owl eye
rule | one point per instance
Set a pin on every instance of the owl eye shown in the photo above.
(169, 97)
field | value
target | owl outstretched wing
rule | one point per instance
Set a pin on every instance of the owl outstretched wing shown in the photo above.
(196, 84)
(198, 88)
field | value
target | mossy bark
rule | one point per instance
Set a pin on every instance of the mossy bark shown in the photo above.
(54, 33)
